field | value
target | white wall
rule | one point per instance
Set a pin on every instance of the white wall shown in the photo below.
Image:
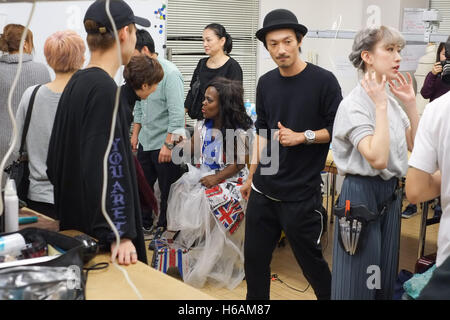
(50, 17)
(350, 15)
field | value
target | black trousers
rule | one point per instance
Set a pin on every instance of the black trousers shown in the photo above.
(47, 209)
(303, 225)
(166, 173)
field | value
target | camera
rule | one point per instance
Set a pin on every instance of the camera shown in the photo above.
(445, 75)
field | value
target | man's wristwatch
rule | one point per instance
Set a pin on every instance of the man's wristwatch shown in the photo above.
(310, 136)
(169, 146)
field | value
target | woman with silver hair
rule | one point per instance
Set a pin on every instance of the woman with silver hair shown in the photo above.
(371, 138)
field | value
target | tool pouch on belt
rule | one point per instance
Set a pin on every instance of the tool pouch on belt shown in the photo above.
(353, 222)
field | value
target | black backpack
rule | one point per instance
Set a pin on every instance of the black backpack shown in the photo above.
(195, 109)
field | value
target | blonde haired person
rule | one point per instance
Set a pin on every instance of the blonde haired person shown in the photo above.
(64, 52)
(80, 137)
(32, 73)
(371, 138)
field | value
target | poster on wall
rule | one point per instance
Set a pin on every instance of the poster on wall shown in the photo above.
(412, 20)
(411, 55)
(53, 16)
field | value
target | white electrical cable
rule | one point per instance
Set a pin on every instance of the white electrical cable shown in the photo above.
(105, 160)
(333, 42)
(11, 91)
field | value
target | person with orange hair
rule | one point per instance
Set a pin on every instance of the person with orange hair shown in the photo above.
(32, 73)
(64, 52)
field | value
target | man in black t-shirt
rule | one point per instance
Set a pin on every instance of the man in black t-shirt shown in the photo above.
(80, 138)
(283, 190)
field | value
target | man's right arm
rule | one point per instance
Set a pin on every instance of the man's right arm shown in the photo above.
(137, 126)
(423, 180)
(422, 186)
(135, 136)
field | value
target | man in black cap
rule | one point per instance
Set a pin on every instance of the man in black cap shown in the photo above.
(300, 99)
(80, 137)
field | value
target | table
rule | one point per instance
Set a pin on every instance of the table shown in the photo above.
(43, 222)
(110, 283)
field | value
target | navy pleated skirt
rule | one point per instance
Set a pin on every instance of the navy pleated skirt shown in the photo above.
(371, 273)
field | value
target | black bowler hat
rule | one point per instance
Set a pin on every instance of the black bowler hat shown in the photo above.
(279, 19)
(121, 13)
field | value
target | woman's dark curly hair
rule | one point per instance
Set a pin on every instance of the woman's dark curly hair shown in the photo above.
(231, 104)
(232, 112)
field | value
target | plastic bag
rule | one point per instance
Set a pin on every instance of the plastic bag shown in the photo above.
(41, 283)
(218, 258)
(185, 205)
(60, 277)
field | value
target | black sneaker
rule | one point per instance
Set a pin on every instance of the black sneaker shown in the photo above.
(149, 233)
(410, 211)
(437, 212)
(174, 272)
(157, 241)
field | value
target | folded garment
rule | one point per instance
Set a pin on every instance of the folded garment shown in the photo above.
(414, 286)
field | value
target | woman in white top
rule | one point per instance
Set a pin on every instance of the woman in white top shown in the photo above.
(371, 138)
(64, 52)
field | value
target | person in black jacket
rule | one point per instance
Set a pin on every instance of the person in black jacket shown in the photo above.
(80, 137)
(217, 44)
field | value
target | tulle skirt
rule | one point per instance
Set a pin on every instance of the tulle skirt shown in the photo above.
(211, 224)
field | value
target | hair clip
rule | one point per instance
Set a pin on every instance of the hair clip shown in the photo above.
(102, 30)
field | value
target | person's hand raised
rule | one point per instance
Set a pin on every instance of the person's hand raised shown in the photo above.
(375, 90)
(437, 68)
(403, 89)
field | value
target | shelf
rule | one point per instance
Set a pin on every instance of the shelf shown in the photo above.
(343, 34)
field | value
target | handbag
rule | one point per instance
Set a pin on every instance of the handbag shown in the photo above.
(194, 110)
(353, 221)
(57, 278)
(18, 170)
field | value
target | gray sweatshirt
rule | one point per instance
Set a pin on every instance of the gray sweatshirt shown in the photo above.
(32, 73)
(38, 138)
